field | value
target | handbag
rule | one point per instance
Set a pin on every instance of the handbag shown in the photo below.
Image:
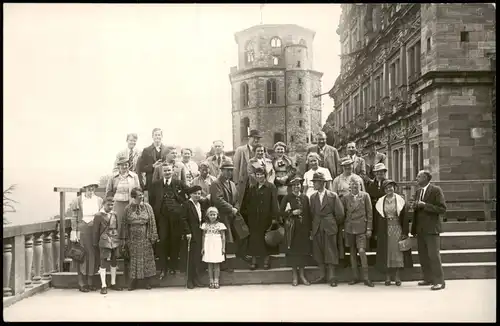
(405, 244)
(75, 250)
(274, 235)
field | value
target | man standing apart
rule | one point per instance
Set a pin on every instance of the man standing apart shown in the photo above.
(242, 156)
(329, 155)
(426, 227)
(216, 160)
(327, 213)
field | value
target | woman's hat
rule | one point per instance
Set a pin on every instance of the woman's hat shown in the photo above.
(346, 161)
(122, 160)
(379, 167)
(388, 183)
(318, 176)
(193, 189)
(204, 164)
(254, 134)
(91, 185)
(372, 142)
(259, 170)
(295, 180)
(227, 164)
(281, 144)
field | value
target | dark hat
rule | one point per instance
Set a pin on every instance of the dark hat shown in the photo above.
(318, 176)
(254, 134)
(295, 180)
(227, 164)
(122, 160)
(372, 142)
(388, 182)
(379, 167)
(259, 170)
(193, 189)
(95, 185)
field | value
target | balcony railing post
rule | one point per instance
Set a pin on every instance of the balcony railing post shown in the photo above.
(28, 260)
(37, 256)
(62, 228)
(55, 252)
(7, 267)
(18, 264)
(47, 255)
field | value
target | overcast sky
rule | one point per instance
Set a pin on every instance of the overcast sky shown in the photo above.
(79, 77)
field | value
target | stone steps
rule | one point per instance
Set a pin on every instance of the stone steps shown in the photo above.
(485, 270)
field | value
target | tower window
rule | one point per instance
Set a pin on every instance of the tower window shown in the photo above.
(244, 95)
(300, 123)
(300, 97)
(271, 92)
(300, 81)
(275, 42)
(298, 64)
(249, 53)
(300, 109)
(244, 128)
(275, 61)
(464, 36)
(429, 44)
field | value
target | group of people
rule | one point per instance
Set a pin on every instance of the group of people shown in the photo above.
(153, 201)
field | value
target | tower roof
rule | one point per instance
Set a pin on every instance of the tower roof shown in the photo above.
(254, 28)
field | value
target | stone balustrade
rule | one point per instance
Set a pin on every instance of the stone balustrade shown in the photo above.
(30, 254)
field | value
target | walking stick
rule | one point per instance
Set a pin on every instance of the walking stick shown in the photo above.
(187, 261)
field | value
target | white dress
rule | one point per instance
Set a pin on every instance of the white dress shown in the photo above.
(212, 245)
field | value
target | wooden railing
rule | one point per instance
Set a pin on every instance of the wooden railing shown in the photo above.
(31, 253)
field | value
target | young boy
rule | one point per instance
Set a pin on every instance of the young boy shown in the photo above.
(106, 238)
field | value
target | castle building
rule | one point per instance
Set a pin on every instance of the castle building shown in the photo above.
(419, 78)
(274, 85)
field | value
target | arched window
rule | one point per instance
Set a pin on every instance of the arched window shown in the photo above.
(244, 128)
(275, 61)
(278, 136)
(249, 52)
(244, 95)
(302, 42)
(275, 42)
(271, 96)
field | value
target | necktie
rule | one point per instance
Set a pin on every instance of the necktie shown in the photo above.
(422, 194)
(131, 158)
(218, 160)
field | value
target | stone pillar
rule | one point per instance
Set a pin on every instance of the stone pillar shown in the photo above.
(402, 65)
(37, 257)
(47, 255)
(385, 81)
(28, 262)
(371, 91)
(7, 268)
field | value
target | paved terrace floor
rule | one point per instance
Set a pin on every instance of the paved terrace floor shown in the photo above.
(461, 301)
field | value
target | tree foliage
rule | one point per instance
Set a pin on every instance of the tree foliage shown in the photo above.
(8, 202)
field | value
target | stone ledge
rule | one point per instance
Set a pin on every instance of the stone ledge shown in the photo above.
(37, 288)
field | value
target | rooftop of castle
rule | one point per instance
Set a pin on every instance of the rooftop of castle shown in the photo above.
(254, 28)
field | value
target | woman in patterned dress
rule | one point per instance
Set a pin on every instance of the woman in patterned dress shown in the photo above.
(85, 207)
(284, 168)
(139, 234)
(295, 211)
(393, 226)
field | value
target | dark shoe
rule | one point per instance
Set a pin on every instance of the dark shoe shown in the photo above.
(198, 283)
(190, 285)
(437, 287)
(319, 280)
(104, 290)
(352, 282)
(333, 283)
(83, 289)
(115, 287)
(216, 285)
(148, 286)
(387, 283)
(295, 277)
(211, 286)
(92, 288)
(424, 283)
(267, 264)
(131, 285)
(253, 267)
(398, 283)
(162, 275)
(172, 272)
(368, 283)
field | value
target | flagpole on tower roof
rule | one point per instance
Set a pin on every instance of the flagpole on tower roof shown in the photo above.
(261, 6)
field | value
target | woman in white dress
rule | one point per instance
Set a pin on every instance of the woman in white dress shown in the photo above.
(214, 245)
(84, 207)
(313, 161)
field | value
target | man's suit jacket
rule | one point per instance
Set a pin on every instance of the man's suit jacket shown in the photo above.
(213, 166)
(328, 214)
(359, 166)
(156, 194)
(191, 221)
(426, 220)
(148, 158)
(224, 198)
(241, 160)
(124, 153)
(331, 159)
(358, 213)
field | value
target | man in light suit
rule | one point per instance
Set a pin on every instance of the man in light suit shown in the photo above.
(242, 156)
(359, 166)
(330, 158)
(131, 152)
(426, 226)
(216, 160)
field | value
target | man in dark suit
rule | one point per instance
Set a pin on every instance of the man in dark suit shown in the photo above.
(168, 195)
(330, 157)
(151, 158)
(216, 160)
(375, 189)
(426, 227)
(194, 211)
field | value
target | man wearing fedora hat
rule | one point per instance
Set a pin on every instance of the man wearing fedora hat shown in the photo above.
(373, 157)
(327, 214)
(224, 196)
(376, 190)
(329, 155)
(241, 158)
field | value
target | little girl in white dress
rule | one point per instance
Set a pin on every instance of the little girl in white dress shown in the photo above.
(214, 245)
